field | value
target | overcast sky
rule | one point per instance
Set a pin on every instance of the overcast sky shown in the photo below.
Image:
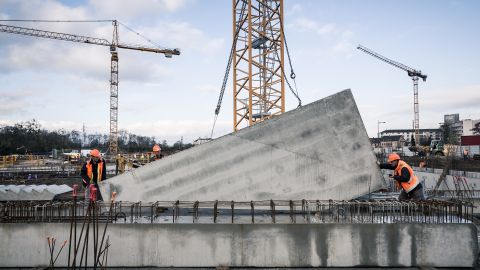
(66, 85)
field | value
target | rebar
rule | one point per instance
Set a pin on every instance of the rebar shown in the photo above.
(271, 211)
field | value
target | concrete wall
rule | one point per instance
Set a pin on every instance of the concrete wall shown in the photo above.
(259, 245)
(318, 151)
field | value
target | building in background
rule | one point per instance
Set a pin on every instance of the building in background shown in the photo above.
(449, 119)
(393, 142)
(375, 142)
(388, 142)
(456, 128)
(468, 125)
(426, 134)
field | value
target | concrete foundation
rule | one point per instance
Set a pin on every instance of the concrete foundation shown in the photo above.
(256, 245)
(318, 151)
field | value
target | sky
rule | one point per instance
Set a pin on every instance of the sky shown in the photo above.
(66, 85)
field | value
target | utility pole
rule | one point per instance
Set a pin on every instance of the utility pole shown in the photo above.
(84, 136)
(378, 128)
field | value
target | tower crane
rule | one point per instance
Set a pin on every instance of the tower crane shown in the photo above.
(113, 45)
(258, 61)
(414, 74)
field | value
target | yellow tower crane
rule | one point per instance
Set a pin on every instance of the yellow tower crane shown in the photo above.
(258, 57)
(113, 45)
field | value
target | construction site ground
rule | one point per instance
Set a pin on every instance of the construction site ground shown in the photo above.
(438, 162)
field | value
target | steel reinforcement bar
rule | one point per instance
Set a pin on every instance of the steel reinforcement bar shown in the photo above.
(244, 212)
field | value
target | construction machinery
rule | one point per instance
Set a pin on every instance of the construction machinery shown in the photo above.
(113, 45)
(414, 74)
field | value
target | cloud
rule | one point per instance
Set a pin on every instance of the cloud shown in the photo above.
(14, 102)
(296, 8)
(131, 9)
(46, 9)
(345, 43)
(43, 56)
(338, 40)
(466, 97)
(304, 24)
(66, 125)
(182, 35)
(82, 61)
(6, 122)
(171, 131)
(434, 104)
(174, 130)
(209, 88)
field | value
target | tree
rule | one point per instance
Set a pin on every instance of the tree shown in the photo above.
(476, 129)
(449, 134)
(412, 141)
(30, 137)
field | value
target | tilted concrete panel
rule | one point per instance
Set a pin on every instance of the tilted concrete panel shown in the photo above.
(254, 245)
(318, 151)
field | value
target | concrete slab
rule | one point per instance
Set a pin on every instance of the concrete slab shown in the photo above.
(255, 245)
(318, 151)
(31, 192)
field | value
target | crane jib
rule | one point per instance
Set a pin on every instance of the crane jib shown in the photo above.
(81, 39)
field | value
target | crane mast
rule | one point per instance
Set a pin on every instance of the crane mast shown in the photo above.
(414, 74)
(258, 61)
(113, 137)
(114, 44)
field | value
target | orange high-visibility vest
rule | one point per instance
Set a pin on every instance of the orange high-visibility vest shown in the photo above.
(99, 171)
(413, 182)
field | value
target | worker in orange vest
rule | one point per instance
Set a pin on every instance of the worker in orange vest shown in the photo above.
(157, 153)
(93, 171)
(412, 189)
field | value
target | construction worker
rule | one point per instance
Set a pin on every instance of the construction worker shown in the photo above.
(412, 189)
(157, 153)
(93, 171)
(465, 154)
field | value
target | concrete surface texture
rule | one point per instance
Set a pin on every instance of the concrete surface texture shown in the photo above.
(256, 245)
(318, 151)
(31, 192)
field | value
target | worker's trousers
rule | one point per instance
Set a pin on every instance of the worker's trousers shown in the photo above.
(415, 195)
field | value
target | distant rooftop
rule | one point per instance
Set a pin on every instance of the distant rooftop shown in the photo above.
(411, 130)
(391, 138)
(386, 139)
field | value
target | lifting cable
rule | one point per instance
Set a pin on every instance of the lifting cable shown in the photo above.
(292, 73)
(229, 65)
(56, 21)
(142, 36)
